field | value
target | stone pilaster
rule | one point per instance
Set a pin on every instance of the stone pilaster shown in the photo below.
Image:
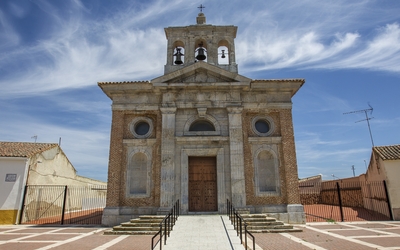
(167, 192)
(236, 157)
(289, 157)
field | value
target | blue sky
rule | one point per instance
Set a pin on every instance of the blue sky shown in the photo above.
(53, 53)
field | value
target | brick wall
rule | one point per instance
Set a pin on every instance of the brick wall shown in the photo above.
(116, 194)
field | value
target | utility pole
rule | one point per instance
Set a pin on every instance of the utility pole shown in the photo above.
(354, 173)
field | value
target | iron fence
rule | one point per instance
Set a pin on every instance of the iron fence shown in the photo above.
(345, 201)
(53, 204)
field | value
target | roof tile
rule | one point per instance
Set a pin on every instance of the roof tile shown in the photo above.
(388, 152)
(23, 149)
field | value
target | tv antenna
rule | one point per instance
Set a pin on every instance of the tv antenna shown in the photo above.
(34, 137)
(367, 118)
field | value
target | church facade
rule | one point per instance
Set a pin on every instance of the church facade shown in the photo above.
(201, 134)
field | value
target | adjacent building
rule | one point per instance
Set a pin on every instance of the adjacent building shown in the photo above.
(384, 165)
(24, 163)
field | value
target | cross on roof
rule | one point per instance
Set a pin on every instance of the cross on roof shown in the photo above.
(201, 7)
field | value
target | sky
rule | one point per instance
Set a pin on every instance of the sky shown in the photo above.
(53, 53)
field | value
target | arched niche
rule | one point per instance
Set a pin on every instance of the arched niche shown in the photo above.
(201, 49)
(201, 125)
(223, 52)
(214, 127)
(178, 54)
(266, 174)
(138, 174)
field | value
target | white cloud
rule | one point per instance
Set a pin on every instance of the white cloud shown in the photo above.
(381, 53)
(79, 50)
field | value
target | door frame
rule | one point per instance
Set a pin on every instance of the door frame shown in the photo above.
(220, 166)
(213, 167)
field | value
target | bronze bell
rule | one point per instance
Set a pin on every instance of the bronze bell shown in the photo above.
(200, 54)
(178, 55)
(223, 54)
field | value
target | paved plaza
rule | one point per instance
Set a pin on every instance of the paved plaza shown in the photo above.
(206, 232)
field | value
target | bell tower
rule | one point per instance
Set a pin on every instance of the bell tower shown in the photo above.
(201, 42)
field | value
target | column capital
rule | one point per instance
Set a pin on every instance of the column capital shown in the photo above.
(168, 110)
(234, 110)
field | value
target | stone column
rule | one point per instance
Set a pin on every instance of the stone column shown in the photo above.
(236, 157)
(167, 192)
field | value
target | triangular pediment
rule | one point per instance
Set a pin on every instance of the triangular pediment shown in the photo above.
(200, 72)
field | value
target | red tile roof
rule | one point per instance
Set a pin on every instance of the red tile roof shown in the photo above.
(388, 152)
(23, 149)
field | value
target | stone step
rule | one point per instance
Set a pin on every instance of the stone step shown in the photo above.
(293, 230)
(257, 216)
(151, 217)
(144, 224)
(140, 224)
(111, 232)
(122, 228)
(261, 223)
(266, 224)
(146, 220)
(269, 227)
(250, 220)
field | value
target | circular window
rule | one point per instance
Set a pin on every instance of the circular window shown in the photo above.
(262, 126)
(141, 127)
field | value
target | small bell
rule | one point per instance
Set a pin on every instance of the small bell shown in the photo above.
(200, 54)
(178, 55)
(223, 54)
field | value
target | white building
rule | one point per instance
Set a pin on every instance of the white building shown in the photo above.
(24, 163)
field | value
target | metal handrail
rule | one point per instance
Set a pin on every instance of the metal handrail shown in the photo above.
(238, 222)
(166, 226)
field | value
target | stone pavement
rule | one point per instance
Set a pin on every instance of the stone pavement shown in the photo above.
(205, 232)
(322, 235)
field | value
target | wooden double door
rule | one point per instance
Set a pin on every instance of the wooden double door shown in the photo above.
(203, 184)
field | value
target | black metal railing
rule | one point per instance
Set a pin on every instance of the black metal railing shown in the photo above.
(239, 224)
(342, 200)
(166, 226)
(56, 204)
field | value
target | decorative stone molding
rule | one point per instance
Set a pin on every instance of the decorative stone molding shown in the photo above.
(265, 140)
(207, 117)
(234, 110)
(202, 112)
(257, 165)
(266, 119)
(132, 151)
(168, 110)
(219, 153)
(138, 120)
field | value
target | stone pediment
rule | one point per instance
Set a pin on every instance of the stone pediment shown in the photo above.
(200, 72)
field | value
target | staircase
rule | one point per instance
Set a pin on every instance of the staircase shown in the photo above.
(145, 224)
(260, 223)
